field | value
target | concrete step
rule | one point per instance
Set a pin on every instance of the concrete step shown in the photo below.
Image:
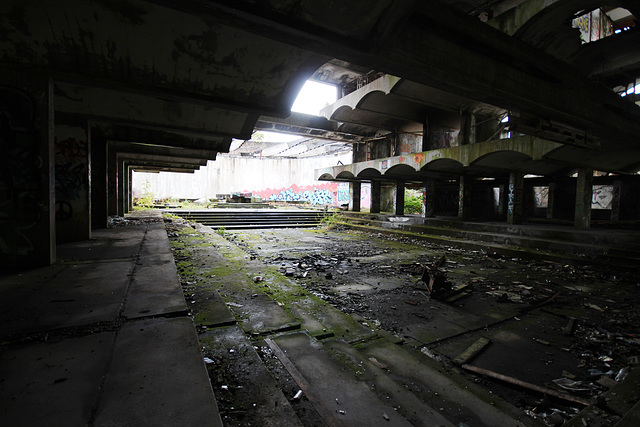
(252, 219)
(619, 248)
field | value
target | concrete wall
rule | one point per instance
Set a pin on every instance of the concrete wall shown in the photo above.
(234, 174)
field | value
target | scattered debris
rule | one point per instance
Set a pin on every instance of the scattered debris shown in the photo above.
(472, 351)
(378, 364)
(526, 385)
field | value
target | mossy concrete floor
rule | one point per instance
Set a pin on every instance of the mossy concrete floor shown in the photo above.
(343, 316)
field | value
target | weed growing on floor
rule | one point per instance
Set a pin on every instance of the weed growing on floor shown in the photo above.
(331, 221)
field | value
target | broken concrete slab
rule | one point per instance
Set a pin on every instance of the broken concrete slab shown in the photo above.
(155, 287)
(259, 315)
(45, 384)
(157, 377)
(457, 399)
(212, 312)
(79, 294)
(240, 377)
(343, 398)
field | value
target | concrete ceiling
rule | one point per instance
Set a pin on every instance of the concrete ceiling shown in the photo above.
(197, 73)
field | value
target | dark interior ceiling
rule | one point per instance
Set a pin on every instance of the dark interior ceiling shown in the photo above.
(205, 72)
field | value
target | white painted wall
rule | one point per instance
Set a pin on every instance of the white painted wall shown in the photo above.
(229, 174)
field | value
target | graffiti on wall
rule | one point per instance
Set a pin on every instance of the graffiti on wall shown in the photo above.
(365, 196)
(330, 194)
(71, 175)
(21, 189)
(602, 197)
(541, 196)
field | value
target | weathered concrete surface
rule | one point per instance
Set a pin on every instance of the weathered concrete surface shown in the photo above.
(353, 401)
(71, 355)
(81, 294)
(53, 383)
(137, 389)
(251, 387)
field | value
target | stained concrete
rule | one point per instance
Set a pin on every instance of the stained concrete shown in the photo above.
(102, 337)
(335, 388)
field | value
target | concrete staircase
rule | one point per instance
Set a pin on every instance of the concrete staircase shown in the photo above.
(238, 219)
(564, 243)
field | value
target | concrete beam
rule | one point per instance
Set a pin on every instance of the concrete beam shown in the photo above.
(146, 109)
(139, 148)
(202, 57)
(159, 136)
(153, 169)
(313, 127)
(164, 160)
(440, 47)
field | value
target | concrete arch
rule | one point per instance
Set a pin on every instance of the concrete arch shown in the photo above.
(369, 173)
(345, 175)
(444, 165)
(325, 177)
(503, 159)
(400, 170)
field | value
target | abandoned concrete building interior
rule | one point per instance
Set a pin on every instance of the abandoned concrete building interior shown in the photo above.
(509, 301)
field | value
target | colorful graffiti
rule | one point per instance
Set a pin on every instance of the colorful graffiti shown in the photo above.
(330, 194)
(602, 197)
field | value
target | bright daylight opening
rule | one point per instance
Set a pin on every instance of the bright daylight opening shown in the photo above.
(314, 96)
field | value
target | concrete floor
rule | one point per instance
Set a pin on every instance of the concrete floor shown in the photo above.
(106, 337)
(103, 337)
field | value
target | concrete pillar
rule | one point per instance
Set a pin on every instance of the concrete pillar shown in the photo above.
(551, 199)
(99, 212)
(112, 181)
(355, 190)
(376, 190)
(73, 182)
(27, 187)
(515, 196)
(121, 177)
(584, 195)
(398, 196)
(468, 126)
(429, 198)
(387, 197)
(465, 192)
(501, 213)
(615, 203)
(129, 188)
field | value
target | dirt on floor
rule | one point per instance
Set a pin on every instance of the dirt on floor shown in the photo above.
(573, 329)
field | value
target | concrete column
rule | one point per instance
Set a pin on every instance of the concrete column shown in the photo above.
(387, 197)
(376, 190)
(27, 187)
(112, 181)
(501, 213)
(515, 196)
(398, 196)
(468, 128)
(429, 198)
(121, 174)
(464, 197)
(584, 195)
(551, 199)
(99, 213)
(73, 182)
(129, 188)
(615, 203)
(355, 190)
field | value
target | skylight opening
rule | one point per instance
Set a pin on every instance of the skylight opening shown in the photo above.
(314, 96)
